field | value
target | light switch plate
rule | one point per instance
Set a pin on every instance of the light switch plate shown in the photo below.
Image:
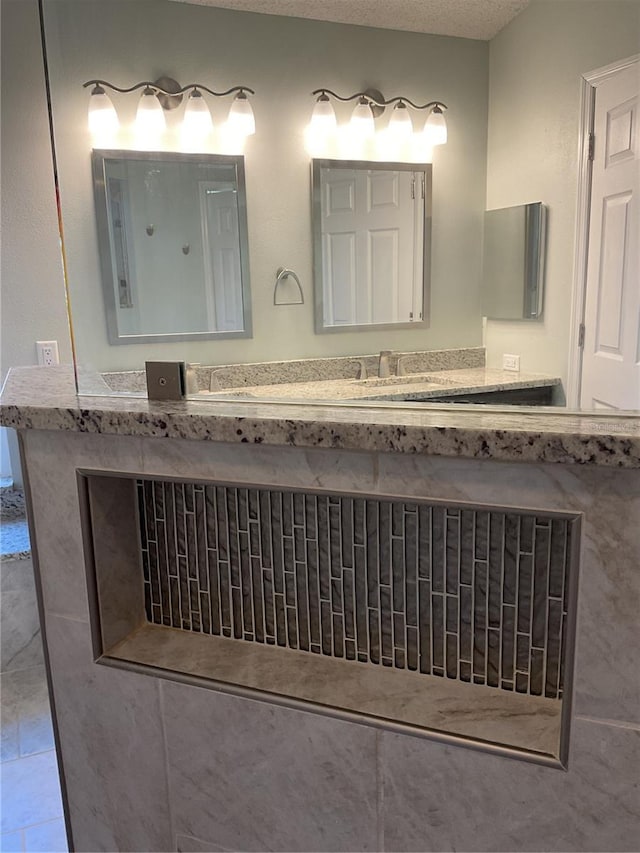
(510, 362)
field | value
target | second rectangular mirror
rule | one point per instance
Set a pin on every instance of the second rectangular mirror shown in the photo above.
(371, 243)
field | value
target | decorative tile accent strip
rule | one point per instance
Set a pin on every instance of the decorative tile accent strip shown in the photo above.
(471, 594)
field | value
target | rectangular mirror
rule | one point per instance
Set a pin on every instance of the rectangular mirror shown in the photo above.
(371, 244)
(172, 235)
(513, 262)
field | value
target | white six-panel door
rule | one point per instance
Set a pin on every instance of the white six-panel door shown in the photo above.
(611, 356)
(222, 265)
(369, 247)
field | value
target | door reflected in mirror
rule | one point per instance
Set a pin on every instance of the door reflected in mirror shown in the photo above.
(172, 233)
(371, 242)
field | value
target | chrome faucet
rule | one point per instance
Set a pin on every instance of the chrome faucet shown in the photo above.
(401, 366)
(191, 375)
(383, 364)
(362, 368)
(214, 379)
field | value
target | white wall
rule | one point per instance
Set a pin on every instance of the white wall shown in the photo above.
(284, 59)
(534, 99)
(32, 300)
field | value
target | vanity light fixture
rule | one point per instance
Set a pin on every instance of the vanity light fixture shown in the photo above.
(400, 123)
(197, 121)
(103, 118)
(241, 120)
(166, 94)
(150, 120)
(323, 119)
(362, 123)
(370, 104)
(435, 129)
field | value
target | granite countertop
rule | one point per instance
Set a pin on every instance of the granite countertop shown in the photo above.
(412, 387)
(45, 398)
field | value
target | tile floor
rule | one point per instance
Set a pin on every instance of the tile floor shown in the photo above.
(30, 802)
(14, 537)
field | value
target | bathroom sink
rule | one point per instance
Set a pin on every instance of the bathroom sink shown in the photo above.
(441, 380)
(411, 379)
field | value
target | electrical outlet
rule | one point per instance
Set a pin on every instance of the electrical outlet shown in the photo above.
(47, 353)
(510, 362)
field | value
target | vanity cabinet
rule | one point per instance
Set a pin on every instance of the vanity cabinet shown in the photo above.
(542, 396)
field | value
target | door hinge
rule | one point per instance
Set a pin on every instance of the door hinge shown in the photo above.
(581, 335)
(413, 187)
(591, 146)
(423, 187)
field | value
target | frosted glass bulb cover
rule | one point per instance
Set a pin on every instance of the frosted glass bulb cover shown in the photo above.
(197, 120)
(150, 119)
(241, 119)
(435, 129)
(103, 118)
(323, 118)
(400, 124)
(362, 121)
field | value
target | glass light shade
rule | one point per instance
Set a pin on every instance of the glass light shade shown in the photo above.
(103, 118)
(150, 119)
(241, 120)
(197, 121)
(435, 129)
(323, 118)
(400, 124)
(362, 123)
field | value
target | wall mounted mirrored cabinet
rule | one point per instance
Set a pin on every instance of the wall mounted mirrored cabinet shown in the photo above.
(172, 235)
(513, 262)
(371, 244)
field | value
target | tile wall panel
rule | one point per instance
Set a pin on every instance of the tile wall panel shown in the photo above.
(478, 595)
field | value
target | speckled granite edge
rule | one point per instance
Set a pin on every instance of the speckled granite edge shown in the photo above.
(44, 398)
(500, 443)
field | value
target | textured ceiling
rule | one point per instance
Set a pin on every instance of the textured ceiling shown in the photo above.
(475, 19)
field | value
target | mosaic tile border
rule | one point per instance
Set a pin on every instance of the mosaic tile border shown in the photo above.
(478, 594)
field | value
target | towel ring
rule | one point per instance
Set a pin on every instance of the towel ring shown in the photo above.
(281, 274)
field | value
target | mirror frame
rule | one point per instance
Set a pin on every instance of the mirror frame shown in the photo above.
(99, 156)
(316, 224)
(533, 262)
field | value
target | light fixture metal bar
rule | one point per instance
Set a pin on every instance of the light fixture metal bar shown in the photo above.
(149, 84)
(380, 102)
